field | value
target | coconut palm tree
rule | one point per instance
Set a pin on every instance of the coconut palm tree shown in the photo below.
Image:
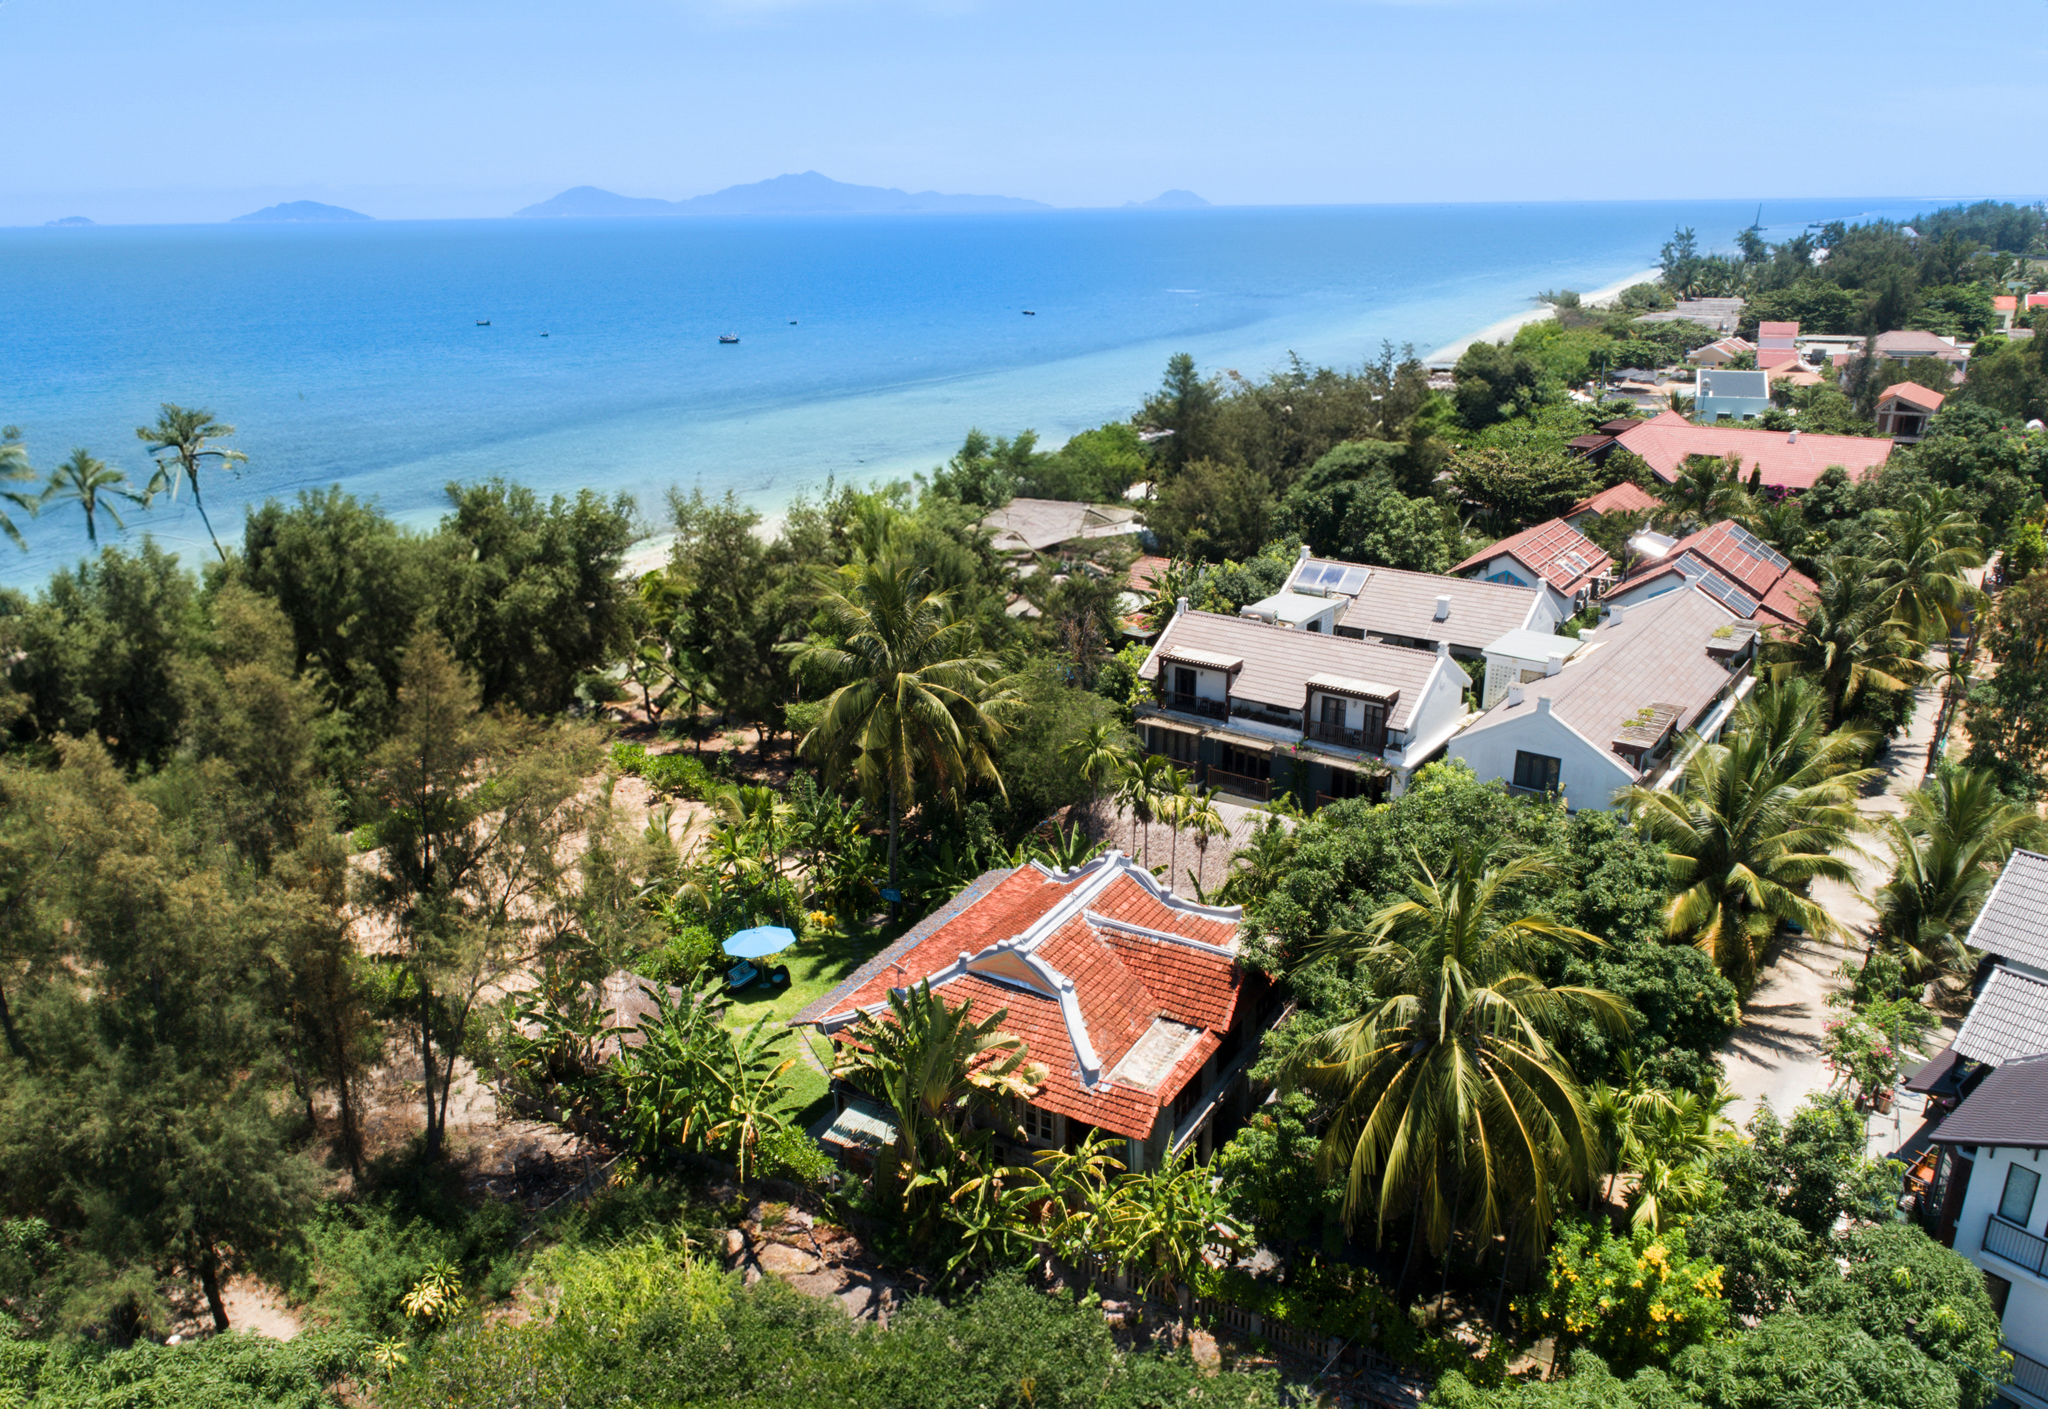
(181, 440)
(1144, 783)
(1100, 755)
(91, 484)
(1261, 862)
(1446, 1095)
(1947, 852)
(919, 709)
(14, 468)
(934, 1066)
(1708, 490)
(1744, 835)
(1790, 719)
(1199, 815)
(1850, 641)
(1923, 548)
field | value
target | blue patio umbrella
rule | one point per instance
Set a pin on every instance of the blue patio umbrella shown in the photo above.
(759, 942)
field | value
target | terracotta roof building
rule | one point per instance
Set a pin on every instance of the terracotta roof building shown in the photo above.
(1733, 566)
(1903, 409)
(1553, 552)
(1789, 460)
(1131, 1000)
(1626, 498)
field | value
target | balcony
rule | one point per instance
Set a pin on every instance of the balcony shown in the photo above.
(1289, 719)
(1225, 781)
(1322, 733)
(2029, 1374)
(1193, 704)
(2014, 1244)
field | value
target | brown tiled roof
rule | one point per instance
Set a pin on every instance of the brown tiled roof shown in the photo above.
(1788, 463)
(1627, 497)
(1782, 592)
(2009, 1107)
(1914, 343)
(1279, 662)
(1134, 955)
(1655, 659)
(1553, 550)
(1396, 602)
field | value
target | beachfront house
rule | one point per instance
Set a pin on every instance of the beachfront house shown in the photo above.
(1131, 1001)
(1789, 461)
(1731, 396)
(1903, 410)
(1552, 557)
(1363, 601)
(1726, 562)
(1256, 708)
(1614, 711)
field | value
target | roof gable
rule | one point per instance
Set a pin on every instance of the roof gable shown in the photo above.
(1085, 965)
(1913, 394)
(1553, 550)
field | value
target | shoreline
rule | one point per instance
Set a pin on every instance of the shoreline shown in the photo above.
(1505, 328)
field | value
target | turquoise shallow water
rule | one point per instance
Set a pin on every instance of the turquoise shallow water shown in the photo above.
(868, 347)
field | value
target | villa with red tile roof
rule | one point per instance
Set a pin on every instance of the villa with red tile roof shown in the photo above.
(1550, 554)
(1790, 460)
(1903, 410)
(2005, 306)
(1131, 1000)
(1628, 498)
(1727, 562)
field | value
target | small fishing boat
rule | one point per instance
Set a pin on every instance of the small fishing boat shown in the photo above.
(792, 322)
(483, 322)
(1030, 313)
(728, 337)
(543, 332)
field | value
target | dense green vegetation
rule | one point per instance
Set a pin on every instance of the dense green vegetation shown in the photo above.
(347, 811)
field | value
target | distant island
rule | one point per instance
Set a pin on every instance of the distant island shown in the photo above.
(299, 213)
(71, 221)
(1170, 200)
(807, 194)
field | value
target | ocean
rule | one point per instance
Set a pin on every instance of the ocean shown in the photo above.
(868, 347)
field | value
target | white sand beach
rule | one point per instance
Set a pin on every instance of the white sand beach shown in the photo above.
(1507, 327)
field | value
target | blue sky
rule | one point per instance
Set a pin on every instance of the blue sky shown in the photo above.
(201, 109)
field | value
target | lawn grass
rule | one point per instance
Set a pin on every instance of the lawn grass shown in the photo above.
(814, 967)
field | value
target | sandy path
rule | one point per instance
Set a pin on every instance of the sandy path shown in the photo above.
(1774, 1055)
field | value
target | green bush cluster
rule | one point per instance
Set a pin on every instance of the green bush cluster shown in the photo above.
(1336, 1299)
(678, 775)
(367, 1253)
(233, 1371)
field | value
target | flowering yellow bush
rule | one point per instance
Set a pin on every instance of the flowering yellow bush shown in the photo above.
(1635, 1300)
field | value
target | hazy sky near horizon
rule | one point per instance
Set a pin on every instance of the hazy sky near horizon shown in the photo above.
(202, 109)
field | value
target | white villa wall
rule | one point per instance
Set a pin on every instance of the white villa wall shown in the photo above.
(2026, 1311)
(1588, 776)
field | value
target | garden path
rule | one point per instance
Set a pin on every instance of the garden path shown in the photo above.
(1774, 1054)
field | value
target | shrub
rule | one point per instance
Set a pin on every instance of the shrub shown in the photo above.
(234, 1371)
(1634, 1301)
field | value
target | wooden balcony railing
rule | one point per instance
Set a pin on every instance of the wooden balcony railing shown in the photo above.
(1193, 704)
(2015, 1244)
(1322, 733)
(1226, 781)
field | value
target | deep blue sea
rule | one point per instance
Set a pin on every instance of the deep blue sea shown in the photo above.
(867, 347)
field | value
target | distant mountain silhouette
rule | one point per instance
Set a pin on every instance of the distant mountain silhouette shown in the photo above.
(808, 194)
(71, 220)
(300, 212)
(1170, 200)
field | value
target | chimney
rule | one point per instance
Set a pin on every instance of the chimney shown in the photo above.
(1443, 649)
(1792, 439)
(1614, 611)
(1543, 704)
(1554, 664)
(1443, 608)
(1302, 554)
(1180, 606)
(1514, 694)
